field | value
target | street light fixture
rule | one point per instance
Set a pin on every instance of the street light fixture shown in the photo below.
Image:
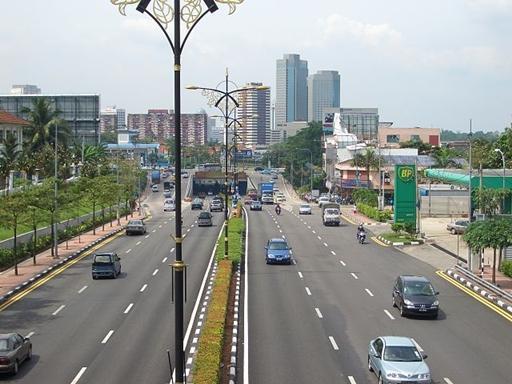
(215, 97)
(503, 181)
(190, 13)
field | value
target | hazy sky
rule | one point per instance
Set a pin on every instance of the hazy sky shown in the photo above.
(422, 63)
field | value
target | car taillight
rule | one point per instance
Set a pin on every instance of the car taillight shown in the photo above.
(4, 361)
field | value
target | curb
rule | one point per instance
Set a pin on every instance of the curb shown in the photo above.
(397, 243)
(234, 339)
(481, 291)
(40, 275)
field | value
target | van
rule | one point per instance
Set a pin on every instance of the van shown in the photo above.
(106, 265)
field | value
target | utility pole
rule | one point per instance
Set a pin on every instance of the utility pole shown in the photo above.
(470, 203)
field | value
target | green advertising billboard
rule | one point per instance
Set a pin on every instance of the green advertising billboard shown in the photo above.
(405, 194)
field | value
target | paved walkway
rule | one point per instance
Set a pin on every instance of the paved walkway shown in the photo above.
(27, 269)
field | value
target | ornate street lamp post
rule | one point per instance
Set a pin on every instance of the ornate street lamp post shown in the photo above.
(163, 13)
(227, 103)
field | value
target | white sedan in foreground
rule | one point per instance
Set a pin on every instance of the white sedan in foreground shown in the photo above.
(305, 209)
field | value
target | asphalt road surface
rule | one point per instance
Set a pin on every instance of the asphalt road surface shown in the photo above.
(311, 322)
(112, 331)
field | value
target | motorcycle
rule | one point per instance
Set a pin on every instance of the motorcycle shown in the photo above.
(361, 237)
(278, 210)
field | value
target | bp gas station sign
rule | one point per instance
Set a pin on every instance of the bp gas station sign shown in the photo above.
(405, 194)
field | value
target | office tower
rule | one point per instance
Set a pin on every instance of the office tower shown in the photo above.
(323, 92)
(291, 89)
(254, 115)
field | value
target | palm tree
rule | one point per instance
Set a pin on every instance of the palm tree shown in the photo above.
(369, 160)
(43, 122)
(444, 157)
(8, 155)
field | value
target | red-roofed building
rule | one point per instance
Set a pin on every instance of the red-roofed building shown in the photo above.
(11, 123)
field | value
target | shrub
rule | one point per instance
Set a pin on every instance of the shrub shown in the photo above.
(374, 213)
(365, 196)
(506, 267)
(397, 227)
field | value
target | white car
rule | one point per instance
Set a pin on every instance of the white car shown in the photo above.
(305, 209)
(169, 205)
(322, 200)
(154, 188)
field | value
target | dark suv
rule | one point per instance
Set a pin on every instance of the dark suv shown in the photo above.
(106, 264)
(415, 295)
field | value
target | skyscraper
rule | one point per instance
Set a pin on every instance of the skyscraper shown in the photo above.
(291, 89)
(254, 131)
(323, 92)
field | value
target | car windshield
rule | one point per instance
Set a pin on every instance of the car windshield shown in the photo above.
(278, 245)
(135, 222)
(102, 259)
(304, 206)
(331, 211)
(401, 353)
(4, 345)
(419, 288)
(204, 215)
(462, 223)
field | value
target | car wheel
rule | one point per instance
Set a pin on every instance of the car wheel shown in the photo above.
(434, 316)
(29, 353)
(381, 380)
(394, 302)
(369, 365)
(453, 231)
(93, 277)
(402, 313)
(15, 368)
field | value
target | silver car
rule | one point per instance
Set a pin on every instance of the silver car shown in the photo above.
(459, 227)
(305, 209)
(14, 349)
(397, 359)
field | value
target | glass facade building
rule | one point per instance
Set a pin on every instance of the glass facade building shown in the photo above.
(362, 122)
(81, 112)
(323, 92)
(291, 89)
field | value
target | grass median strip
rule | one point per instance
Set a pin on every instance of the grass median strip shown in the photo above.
(211, 342)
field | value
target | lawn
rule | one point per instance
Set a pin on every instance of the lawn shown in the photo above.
(395, 238)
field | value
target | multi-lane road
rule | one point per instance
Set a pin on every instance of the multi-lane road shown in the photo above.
(309, 322)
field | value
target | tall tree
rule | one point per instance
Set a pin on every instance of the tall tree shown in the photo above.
(369, 160)
(8, 155)
(11, 210)
(444, 157)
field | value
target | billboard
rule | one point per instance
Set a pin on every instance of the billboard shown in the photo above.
(405, 194)
(328, 122)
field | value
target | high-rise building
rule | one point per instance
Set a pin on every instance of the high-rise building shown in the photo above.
(25, 89)
(254, 115)
(194, 129)
(362, 122)
(108, 120)
(121, 118)
(323, 92)
(291, 89)
(81, 112)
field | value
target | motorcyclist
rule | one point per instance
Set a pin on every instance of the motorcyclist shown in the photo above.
(278, 209)
(360, 230)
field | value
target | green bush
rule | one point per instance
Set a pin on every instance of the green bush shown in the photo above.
(506, 267)
(366, 197)
(373, 212)
(397, 227)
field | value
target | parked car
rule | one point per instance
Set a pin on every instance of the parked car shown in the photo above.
(169, 205)
(197, 203)
(255, 205)
(14, 350)
(397, 359)
(305, 209)
(154, 187)
(204, 219)
(106, 265)
(216, 205)
(277, 251)
(415, 295)
(458, 227)
(258, 169)
(135, 227)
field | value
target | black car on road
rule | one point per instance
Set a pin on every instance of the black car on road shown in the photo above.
(415, 295)
(197, 203)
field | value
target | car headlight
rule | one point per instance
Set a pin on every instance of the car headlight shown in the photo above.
(271, 256)
(392, 375)
(424, 376)
(408, 302)
(435, 303)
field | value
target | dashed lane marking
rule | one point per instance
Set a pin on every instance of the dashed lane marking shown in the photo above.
(318, 313)
(58, 310)
(172, 250)
(308, 291)
(333, 253)
(109, 334)
(155, 272)
(138, 242)
(300, 275)
(352, 380)
(128, 251)
(128, 308)
(368, 292)
(354, 275)
(154, 230)
(333, 343)
(343, 263)
(313, 231)
(79, 375)
(143, 288)
(447, 380)
(146, 236)
(319, 238)
(326, 245)
(389, 314)
(164, 259)
(82, 289)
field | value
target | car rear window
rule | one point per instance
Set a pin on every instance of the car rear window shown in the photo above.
(135, 222)
(204, 215)
(102, 259)
(4, 345)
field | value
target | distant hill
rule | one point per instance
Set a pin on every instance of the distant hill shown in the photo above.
(447, 135)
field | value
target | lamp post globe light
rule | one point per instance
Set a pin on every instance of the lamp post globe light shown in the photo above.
(165, 12)
(226, 101)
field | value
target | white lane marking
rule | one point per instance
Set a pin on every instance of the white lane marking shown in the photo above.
(313, 231)
(325, 244)
(128, 308)
(300, 275)
(143, 288)
(160, 226)
(319, 238)
(318, 313)
(333, 253)
(138, 242)
(82, 289)
(368, 292)
(58, 310)
(333, 343)
(352, 380)
(284, 237)
(343, 263)
(155, 272)
(146, 236)
(417, 345)
(128, 251)
(192, 226)
(105, 339)
(278, 226)
(188, 230)
(447, 380)
(172, 250)
(280, 231)
(308, 291)
(79, 375)
(154, 230)
(164, 260)
(29, 335)
(354, 275)
(309, 226)
(389, 314)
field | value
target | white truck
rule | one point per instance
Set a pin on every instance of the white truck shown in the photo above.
(331, 214)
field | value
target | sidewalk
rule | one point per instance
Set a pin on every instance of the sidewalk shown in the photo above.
(27, 270)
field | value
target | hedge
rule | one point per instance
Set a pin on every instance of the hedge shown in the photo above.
(374, 213)
(506, 267)
(236, 228)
